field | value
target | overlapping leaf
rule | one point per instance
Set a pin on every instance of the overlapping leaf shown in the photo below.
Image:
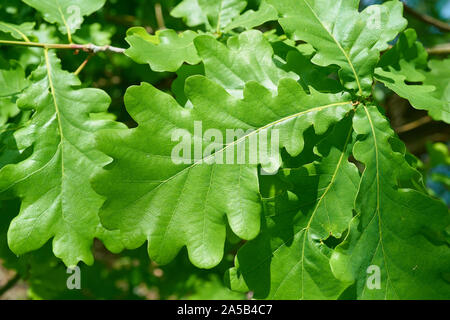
(13, 82)
(165, 51)
(404, 70)
(399, 230)
(312, 75)
(246, 57)
(152, 196)
(214, 14)
(21, 32)
(289, 260)
(68, 14)
(53, 182)
(343, 36)
(250, 19)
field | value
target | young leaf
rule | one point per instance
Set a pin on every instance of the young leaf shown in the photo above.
(214, 14)
(343, 36)
(182, 74)
(439, 77)
(312, 75)
(246, 57)
(289, 260)
(68, 14)
(396, 246)
(13, 82)
(21, 32)
(407, 62)
(152, 195)
(12, 78)
(53, 182)
(165, 51)
(250, 19)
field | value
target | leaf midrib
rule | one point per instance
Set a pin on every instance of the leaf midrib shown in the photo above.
(163, 182)
(58, 116)
(69, 34)
(249, 135)
(306, 229)
(378, 213)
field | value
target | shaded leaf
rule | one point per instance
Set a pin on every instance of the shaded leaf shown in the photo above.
(13, 81)
(289, 259)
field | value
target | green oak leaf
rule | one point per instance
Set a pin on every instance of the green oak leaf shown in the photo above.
(398, 234)
(289, 259)
(94, 33)
(214, 14)
(246, 57)
(10, 152)
(407, 62)
(343, 36)
(13, 81)
(182, 74)
(165, 51)
(439, 77)
(191, 13)
(53, 182)
(153, 193)
(68, 14)
(250, 18)
(21, 32)
(12, 78)
(439, 154)
(312, 75)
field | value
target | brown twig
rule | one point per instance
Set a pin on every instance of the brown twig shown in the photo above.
(442, 49)
(85, 47)
(427, 19)
(124, 20)
(414, 125)
(11, 283)
(159, 16)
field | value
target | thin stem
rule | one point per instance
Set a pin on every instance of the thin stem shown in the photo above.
(85, 62)
(85, 47)
(159, 16)
(413, 125)
(427, 19)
